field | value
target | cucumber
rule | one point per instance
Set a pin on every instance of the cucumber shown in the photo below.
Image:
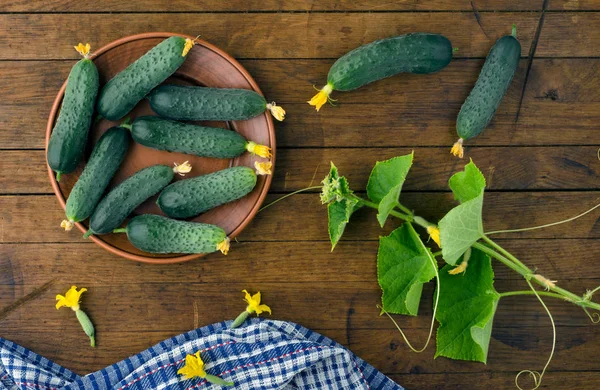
(124, 198)
(157, 234)
(419, 53)
(164, 134)
(494, 79)
(188, 198)
(128, 87)
(101, 167)
(69, 135)
(209, 104)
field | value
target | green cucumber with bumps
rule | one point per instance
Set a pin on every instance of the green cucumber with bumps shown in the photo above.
(419, 53)
(190, 197)
(69, 135)
(131, 85)
(127, 196)
(494, 79)
(104, 161)
(190, 103)
(172, 136)
(156, 234)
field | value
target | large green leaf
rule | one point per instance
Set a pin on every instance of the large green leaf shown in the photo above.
(339, 215)
(385, 184)
(466, 310)
(463, 225)
(468, 184)
(404, 264)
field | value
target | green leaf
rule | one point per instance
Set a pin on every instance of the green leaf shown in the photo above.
(467, 185)
(335, 187)
(463, 225)
(385, 184)
(339, 215)
(404, 264)
(466, 310)
(461, 228)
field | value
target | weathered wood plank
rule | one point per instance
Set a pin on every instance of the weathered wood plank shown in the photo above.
(303, 218)
(559, 106)
(123, 306)
(267, 5)
(295, 35)
(574, 5)
(529, 168)
(309, 261)
(570, 34)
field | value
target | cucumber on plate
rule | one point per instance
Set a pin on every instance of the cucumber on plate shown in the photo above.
(127, 196)
(157, 234)
(210, 104)
(69, 135)
(131, 85)
(104, 161)
(164, 134)
(190, 197)
(419, 53)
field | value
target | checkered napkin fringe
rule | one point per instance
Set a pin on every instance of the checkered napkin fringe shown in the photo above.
(263, 354)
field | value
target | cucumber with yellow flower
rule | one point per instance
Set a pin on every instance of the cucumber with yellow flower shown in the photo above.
(104, 161)
(189, 103)
(69, 135)
(164, 134)
(158, 234)
(114, 208)
(188, 198)
(419, 53)
(496, 75)
(131, 85)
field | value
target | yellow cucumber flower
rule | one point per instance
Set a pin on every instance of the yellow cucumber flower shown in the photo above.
(263, 168)
(457, 149)
(194, 366)
(189, 43)
(224, 245)
(277, 111)
(321, 97)
(82, 49)
(67, 224)
(434, 233)
(183, 168)
(254, 305)
(70, 299)
(259, 150)
(459, 269)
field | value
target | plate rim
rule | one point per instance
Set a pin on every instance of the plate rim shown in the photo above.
(148, 259)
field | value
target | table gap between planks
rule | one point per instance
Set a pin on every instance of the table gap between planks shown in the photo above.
(539, 156)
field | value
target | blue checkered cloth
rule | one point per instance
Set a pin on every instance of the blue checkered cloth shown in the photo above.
(262, 354)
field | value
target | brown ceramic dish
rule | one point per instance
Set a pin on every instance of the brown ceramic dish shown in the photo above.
(205, 65)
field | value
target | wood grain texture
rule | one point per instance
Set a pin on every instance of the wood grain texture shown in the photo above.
(540, 168)
(303, 218)
(308, 261)
(529, 168)
(294, 35)
(560, 105)
(204, 6)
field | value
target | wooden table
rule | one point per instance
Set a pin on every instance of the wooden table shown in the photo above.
(539, 156)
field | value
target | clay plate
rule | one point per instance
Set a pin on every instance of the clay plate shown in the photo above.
(205, 65)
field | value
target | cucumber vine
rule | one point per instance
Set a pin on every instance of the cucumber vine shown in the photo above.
(465, 298)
